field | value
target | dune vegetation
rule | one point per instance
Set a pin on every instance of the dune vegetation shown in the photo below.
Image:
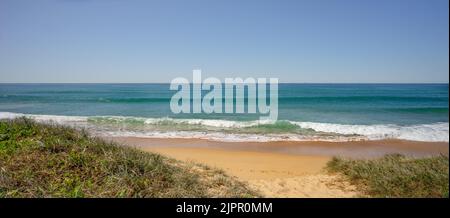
(396, 175)
(49, 160)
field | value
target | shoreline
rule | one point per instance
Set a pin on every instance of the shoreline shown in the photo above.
(350, 149)
(282, 169)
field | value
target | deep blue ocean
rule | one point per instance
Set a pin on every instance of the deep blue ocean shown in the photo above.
(306, 111)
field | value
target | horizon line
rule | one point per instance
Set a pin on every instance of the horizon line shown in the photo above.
(190, 83)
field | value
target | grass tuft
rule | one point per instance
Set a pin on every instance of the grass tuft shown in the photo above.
(48, 160)
(397, 175)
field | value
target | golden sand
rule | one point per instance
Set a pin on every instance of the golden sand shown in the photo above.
(283, 169)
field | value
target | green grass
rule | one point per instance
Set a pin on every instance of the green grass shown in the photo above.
(396, 175)
(47, 160)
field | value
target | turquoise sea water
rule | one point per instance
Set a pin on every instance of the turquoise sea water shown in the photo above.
(317, 111)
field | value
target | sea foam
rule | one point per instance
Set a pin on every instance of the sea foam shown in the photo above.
(228, 130)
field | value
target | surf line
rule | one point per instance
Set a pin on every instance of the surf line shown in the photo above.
(189, 99)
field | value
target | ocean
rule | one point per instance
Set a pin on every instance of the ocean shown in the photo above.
(328, 112)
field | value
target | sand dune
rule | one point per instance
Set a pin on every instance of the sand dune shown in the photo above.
(274, 175)
(282, 169)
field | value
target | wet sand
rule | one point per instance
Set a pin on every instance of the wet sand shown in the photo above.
(283, 169)
(355, 149)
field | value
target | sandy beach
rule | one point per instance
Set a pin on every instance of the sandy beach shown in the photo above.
(283, 169)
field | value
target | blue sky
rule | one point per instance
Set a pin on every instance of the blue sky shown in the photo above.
(156, 41)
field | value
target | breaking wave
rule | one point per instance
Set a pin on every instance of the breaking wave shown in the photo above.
(228, 130)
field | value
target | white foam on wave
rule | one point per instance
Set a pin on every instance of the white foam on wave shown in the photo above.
(210, 122)
(424, 132)
(437, 132)
(225, 137)
(44, 118)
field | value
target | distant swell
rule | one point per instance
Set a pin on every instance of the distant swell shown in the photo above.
(282, 99)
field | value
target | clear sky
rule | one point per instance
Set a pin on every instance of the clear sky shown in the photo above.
(156, 41)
